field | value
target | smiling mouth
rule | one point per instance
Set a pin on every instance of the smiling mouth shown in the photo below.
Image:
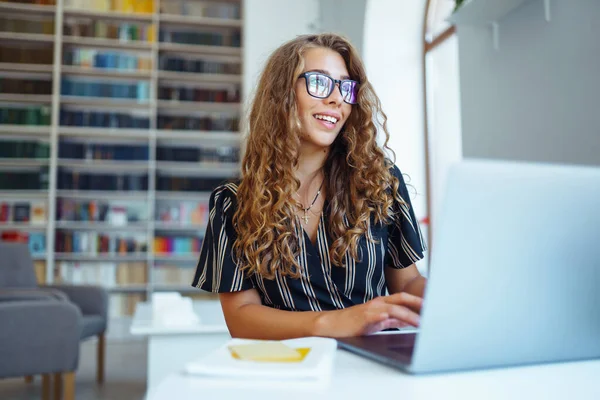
(326, 120)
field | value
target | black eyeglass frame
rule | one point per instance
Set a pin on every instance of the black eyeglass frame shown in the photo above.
(339, 82)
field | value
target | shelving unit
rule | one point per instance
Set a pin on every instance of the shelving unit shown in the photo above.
(90, 68)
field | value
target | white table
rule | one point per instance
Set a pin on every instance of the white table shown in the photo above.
(358, 378)
(169, 347)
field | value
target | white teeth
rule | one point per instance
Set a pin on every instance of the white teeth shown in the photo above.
(326, 118)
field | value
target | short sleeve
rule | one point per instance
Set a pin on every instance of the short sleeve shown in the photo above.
(216, 271)
(405, 242)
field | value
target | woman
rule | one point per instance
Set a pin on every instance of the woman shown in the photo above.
(321, 222)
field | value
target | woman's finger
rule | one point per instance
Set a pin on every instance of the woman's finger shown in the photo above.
(403, 314)
(405, 299)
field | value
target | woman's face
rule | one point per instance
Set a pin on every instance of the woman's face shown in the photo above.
(322, 119)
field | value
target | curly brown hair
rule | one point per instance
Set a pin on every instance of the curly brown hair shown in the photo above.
(359, 184)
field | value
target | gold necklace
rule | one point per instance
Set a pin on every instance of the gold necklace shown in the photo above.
(306, 210)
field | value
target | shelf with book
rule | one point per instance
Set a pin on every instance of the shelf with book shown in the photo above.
(35, 9)
(185, 61)
(198, 22)
(105, 73)
(105, 43)
(199, 49)
(108, 15)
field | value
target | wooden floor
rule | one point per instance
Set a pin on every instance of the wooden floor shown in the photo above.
(125, 377)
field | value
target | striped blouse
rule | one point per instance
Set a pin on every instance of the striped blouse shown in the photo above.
(321, 285)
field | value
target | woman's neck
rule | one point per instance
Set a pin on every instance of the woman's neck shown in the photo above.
(310, 164)
(310, 170)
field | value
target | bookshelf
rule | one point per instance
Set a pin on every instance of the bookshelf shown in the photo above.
(125, 117)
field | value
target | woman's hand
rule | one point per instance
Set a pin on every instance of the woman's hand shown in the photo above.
(393, 311)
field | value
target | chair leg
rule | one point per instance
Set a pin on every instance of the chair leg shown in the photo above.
(69, 385)
(46, 387)
(100, 357)
(29, 379)
(58, 385)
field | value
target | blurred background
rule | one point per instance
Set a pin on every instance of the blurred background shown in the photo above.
(118, 117)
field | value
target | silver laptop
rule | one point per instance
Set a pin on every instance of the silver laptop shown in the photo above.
(515, 272)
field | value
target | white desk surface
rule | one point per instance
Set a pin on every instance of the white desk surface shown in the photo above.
(358, 378)
(209, 311)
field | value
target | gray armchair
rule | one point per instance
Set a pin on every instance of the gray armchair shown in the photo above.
(18, 281)
(41, 337)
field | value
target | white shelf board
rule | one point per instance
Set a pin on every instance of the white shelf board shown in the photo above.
(106, 43)
(28, 9)
(107, 15)
(191, 21)
(198, 77)
(484, 12)
(127, 288)
(105, 72)
(175, 227)
(22, 226)
(193, 106)
(23, 194)
(216, 170)
(23, 162)
(22, 67)
(168, 195)
(177, 257)
(101, 257)
(200, 49)
(26, 37)
(209, 137)
(176, 288)
(76, 131)
(104, 165)
(29, 130)
(104, 195)
(38, 257)
(100, 226)
(104, 102)
(26, 98)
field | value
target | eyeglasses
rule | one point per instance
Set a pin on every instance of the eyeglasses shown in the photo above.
(321, 86)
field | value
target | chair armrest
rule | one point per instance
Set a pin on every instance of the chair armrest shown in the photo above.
(39, 337)
(17, 294)
(92, 300)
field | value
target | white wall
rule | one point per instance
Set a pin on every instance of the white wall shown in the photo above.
(536, 97)
(344, 18)
(393, 51)
(268, 24)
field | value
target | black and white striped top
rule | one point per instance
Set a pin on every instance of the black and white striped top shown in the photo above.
(321, 286)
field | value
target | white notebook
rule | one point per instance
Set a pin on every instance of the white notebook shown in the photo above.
(317, 365)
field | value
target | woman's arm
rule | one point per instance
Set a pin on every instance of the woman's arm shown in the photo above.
(407, 280)
(246, 317)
